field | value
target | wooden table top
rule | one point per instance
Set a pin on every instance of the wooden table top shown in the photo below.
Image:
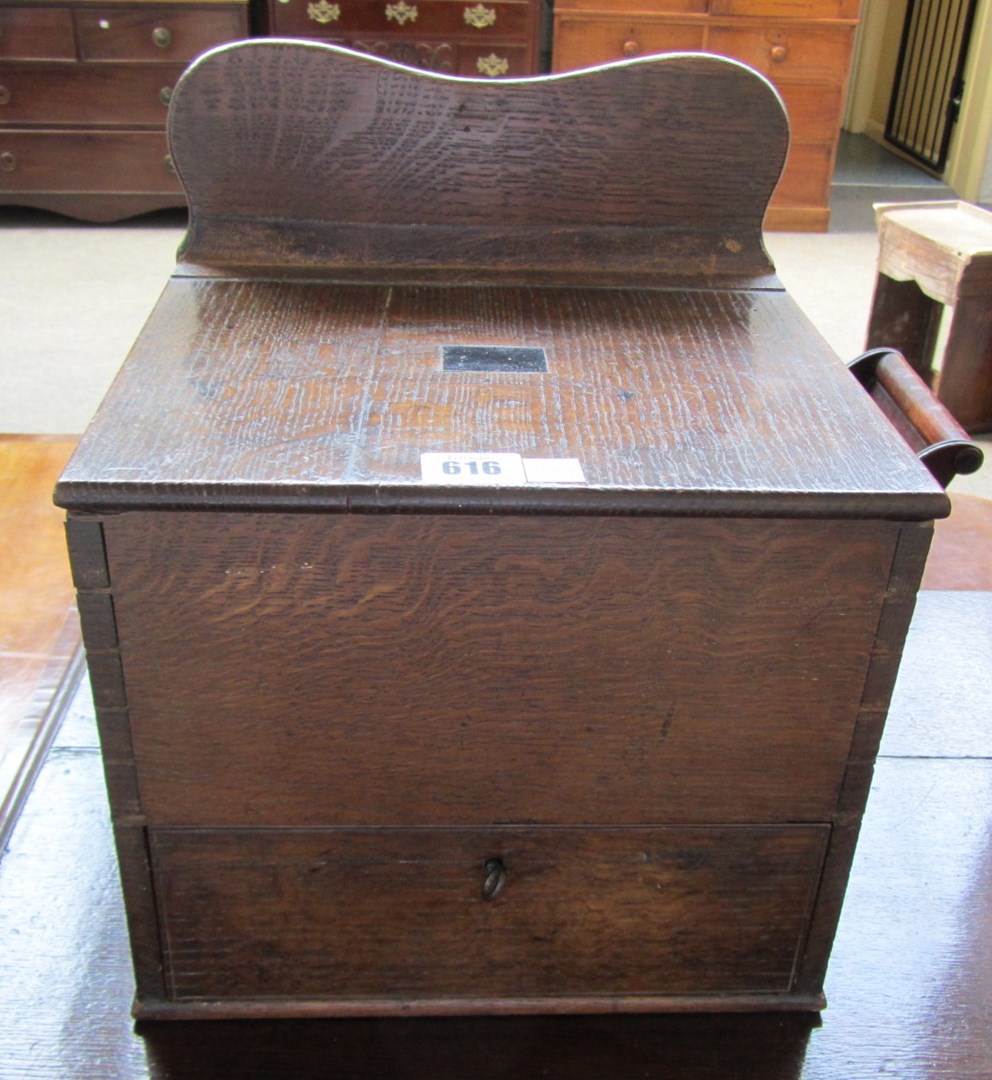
(909, 984)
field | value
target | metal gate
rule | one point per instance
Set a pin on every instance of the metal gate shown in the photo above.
(929, 79)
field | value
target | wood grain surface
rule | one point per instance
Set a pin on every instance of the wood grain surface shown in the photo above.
(908, 983)
(356, 164)
(382, 669)
(308, 395)
(398, 916)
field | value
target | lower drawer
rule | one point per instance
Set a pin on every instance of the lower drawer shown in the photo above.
(101, 95)
(120, 162)
(514, 913)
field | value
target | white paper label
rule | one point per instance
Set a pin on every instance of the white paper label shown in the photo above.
(498, 470)
(554, 471)
(488, 470)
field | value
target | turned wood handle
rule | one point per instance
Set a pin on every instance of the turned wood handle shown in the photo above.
(940, 442)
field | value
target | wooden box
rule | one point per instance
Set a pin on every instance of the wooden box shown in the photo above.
(492, 596)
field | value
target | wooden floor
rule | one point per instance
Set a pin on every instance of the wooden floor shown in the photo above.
(38, 628)
(909, 984)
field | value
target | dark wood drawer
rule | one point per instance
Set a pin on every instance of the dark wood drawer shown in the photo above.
(169, 35)
(548, 669)
(91, 94)
(394, 914)
(493, 61)
(425, 18)
(36, 34)
(86, 161)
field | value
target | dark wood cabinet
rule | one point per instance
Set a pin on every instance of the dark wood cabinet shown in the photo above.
(453, 37)
(492, 602)
(84, 92)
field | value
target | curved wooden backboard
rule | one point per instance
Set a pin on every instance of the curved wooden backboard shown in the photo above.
(303, 157)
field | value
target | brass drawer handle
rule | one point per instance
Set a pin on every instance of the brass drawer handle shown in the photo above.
(480, 17)
(631, 48)
(324, 12)
(165, 95)
(402, 12)
(170, 165)
(492, 65)
(779, 53)
(4, 95)
(495, 878)
(162, 37)
(8, 162)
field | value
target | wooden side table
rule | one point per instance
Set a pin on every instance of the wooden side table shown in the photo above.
(933, 256)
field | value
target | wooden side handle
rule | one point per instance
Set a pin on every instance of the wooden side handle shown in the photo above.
(940, 442)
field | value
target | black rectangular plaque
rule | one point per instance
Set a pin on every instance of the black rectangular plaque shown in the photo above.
(494, 358)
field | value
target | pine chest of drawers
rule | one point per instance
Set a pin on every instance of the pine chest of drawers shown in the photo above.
(484, 613)
(84, 92)
(802, 46)
(452, 37)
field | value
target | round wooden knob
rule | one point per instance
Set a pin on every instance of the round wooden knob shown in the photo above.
(162, 37)
(631, 48)
(779, 53)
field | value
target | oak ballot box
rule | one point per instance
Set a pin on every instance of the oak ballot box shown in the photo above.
(492, 586)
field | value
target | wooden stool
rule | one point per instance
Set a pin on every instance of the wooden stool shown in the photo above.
(934, 255)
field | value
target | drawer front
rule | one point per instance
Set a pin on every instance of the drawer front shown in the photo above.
(788, 9)
(438, 56)
(783, 51)
(814, 110)
(498, 913)
(422, 18)
(806, 180)
(494, 61)
(86, 162)
(36, 34)
(93, 94)
(582, 43)
(378, 669)
(168, 35)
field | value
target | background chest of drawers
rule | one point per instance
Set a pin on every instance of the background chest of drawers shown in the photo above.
(802, 46)
(491, 39)
(84, 92)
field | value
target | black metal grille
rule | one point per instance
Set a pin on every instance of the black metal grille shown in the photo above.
(929, 79)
